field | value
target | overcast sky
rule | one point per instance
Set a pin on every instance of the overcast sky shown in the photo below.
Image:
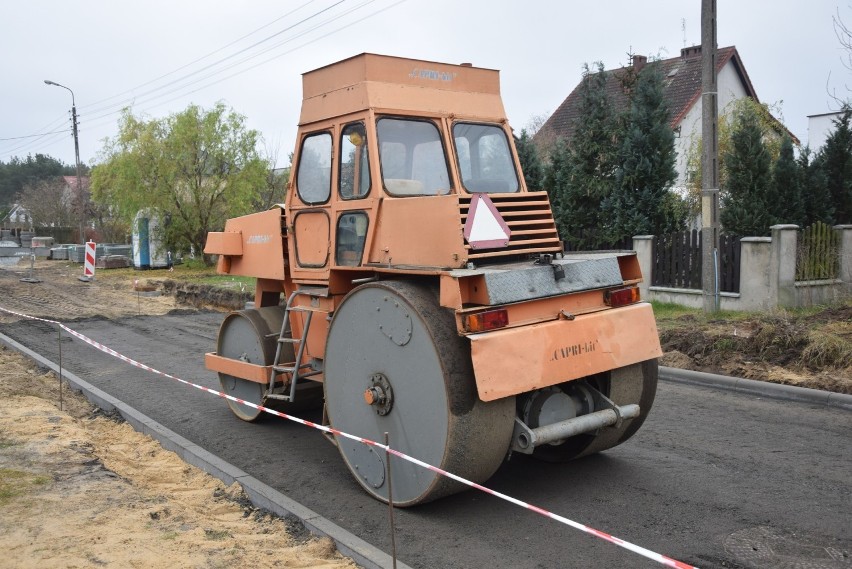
(159, 56)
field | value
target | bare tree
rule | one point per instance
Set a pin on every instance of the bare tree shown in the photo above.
(49, 203)
(844, 37)
(535, 123)
(274, 189)
(110, 227)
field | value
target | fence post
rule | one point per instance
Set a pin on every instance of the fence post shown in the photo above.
(782, 266)
(644, 247)
(845, 253)
(756, 276)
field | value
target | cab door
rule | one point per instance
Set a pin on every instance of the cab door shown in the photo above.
(352, 219)
(309, 207)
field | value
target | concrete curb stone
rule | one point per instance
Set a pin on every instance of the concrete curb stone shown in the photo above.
(760, 388)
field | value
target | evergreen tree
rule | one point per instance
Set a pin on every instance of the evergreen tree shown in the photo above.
(836, 160)
(786, 203)
(530, 162)
(744, 203)
(591, 163)
(556, 177)
(815, 194)
(640, 203)
(18, 173)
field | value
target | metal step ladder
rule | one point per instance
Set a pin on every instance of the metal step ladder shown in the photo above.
(294, 368)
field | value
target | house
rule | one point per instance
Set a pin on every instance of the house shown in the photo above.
(18, 218)
(72, 191)
(682, 94)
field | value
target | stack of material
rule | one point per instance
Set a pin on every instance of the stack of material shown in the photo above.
(126, 250)
(42, 241)
(112, 262)
(76, 253)
(59, 253)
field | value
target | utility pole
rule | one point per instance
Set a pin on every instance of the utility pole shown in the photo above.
(81, 203)
(709, 159)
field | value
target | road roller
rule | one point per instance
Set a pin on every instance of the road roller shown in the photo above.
(412, 284)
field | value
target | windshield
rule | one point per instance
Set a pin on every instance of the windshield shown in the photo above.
(484, 158)
(412, 158)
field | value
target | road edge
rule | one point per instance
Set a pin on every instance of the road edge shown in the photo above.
(260, 494)
(759, 388)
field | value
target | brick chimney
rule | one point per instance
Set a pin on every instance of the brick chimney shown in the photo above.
(639, 62)
(690, 51)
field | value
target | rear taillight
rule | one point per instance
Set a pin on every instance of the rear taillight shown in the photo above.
(622, 296)
(484, 321)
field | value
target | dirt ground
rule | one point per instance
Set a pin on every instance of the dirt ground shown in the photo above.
(80, 489)
(807, 348)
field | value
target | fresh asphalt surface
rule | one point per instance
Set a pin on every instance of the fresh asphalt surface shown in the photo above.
(713, 478)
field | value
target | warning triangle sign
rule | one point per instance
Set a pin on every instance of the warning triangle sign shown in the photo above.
(485, 228)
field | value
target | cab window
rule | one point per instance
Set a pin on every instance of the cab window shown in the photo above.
(313, 181)
(412, 158)
(351, 236)
(354, 178)
(484, 158)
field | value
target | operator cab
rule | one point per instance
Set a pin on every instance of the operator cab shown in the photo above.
(384, 175)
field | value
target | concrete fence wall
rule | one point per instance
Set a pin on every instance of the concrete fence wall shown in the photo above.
(767, 274)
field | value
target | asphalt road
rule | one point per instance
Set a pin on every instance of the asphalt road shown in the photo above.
(715, 479)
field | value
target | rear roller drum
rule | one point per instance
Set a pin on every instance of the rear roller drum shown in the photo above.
(394, 363)
(631, 384)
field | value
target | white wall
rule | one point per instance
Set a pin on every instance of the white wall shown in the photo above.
(819, 127)
(730, 89)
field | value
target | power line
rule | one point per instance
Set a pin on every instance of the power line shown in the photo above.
(94, 125)
(202, 58)
(32, 135)
(39, 132)
(39, 135)
(215, 63)
(248, 58)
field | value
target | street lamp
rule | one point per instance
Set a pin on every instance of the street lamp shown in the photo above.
(80, 203)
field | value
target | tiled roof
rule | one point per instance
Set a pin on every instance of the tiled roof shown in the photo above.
(682, 89)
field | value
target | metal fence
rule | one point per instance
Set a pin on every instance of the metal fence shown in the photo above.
(676, 261)
(818, 253)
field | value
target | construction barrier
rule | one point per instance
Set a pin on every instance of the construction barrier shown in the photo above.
(89, 261)
(659, 558)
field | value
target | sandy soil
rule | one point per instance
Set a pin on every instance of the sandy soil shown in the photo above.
(81, 489)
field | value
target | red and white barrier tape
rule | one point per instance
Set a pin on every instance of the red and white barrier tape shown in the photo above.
(662, 559)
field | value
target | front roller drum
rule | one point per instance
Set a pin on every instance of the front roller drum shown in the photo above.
(394, 363)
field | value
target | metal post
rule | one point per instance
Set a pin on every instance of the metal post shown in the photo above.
(81, 203)
(59, 328)
(390, 500)
(709, 158)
